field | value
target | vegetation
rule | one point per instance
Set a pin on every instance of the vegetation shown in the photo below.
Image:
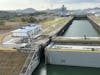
(14, 20)
(58, 23)
(38, 13)
(29, 19)
(7, 15)
(48, 23)
(2, 22)
(14, 17)
(23, 19)
(32, 20)
(52, 28)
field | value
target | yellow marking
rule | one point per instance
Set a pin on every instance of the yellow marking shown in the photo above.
(64, 50)
(75, 40)
(8, 49)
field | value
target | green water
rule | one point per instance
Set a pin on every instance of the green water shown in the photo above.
(79, 28)
(64, 70)
(68, 70)
(40, 70)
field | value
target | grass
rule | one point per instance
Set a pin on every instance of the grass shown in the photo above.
(58, 23)
(53, 28)
(48, 23)
(12, 23)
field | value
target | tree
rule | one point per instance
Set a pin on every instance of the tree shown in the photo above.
(23, 19)
(32, 20)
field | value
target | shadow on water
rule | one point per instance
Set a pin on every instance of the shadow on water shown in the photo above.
(70, 70)
(41, 69)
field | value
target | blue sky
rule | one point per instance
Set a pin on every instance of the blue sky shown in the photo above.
(47, 4)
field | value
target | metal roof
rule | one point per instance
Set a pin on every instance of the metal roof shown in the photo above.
(27, 28)
(21, 30)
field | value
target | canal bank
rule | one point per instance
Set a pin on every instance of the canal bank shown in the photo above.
(80, 27)
(95, 24)
(63, 28)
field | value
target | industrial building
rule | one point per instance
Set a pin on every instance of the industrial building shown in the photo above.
(34, 29)
(64, 12)
(19, 56)
(23, 34)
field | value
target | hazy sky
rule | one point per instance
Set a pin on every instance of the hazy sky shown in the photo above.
(45, 4)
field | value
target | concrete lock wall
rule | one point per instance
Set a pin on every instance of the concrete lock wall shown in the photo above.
(31, 63)
(65, 27)
(87, 59)
(95, 25)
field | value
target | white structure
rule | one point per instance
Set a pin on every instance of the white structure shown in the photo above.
(97, 14)
(87, 56)
(11, 43)
(22, 32)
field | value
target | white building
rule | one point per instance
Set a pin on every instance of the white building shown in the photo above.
(23, 32)
(97, 14)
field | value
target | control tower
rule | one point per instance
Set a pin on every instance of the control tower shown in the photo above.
(63, 11)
